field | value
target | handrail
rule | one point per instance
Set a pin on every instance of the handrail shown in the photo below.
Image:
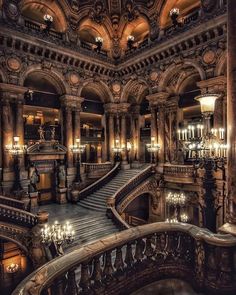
(12, 202)
(17, 216)
(158, 248)
(100, 182)
(131, 184)
(88, 167)
(113, 201)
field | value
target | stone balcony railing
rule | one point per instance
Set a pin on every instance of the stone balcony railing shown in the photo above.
(179, 173)
(12, 202)
(123, 262)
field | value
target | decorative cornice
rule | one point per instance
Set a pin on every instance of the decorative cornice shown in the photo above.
(71, 101)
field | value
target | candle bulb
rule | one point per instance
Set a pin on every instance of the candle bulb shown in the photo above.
(179, 134)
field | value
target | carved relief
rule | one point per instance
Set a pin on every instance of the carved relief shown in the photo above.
(11, 9)
(209, 56)
(13, 64)
(208, 5)
(97, 13)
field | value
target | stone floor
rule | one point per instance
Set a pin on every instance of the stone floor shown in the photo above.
(167, 287)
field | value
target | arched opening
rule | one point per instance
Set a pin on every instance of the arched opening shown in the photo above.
(88, 32)
(135, 34)
(12, 258)
(186, 7)
(137, 212)
(35, 11)
(92, 131)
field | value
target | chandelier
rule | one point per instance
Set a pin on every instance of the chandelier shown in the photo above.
(78, 148)
(57, 234)
(117, 148)
(201, 141)
(16, 149)
(176, 201)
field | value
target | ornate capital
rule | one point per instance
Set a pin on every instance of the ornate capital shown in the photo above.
(71, 101)
(157, 99)
(213, 85)
(117, 107)
(12, 92)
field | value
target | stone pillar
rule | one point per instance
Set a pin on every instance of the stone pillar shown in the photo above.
(105, 142)
(19, 129)
(158, 100)
(111, 136)
(154, 123)
(230, 227)
(77, 124)
(123, 139)
(135, 129)
(68, 135)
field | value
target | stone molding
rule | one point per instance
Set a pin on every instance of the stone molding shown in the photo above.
(213, 85)
(71, 101)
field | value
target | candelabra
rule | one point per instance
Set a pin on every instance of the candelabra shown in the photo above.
(57, 235)
(174, 14)
(99, 42)
(153, 148)
(78, 149)
(130, 42)
(206, 149)
(48, 19)
(117, 149)
(176, 202)
(16, 150)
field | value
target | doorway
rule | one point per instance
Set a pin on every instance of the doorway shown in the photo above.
(46, 188)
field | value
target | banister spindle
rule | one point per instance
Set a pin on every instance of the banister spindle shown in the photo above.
(129, 259)
(85, 278)
(97, 271)
(71, 283)
(149, 250)
(108, 269)
(139, 247)
(119, 263)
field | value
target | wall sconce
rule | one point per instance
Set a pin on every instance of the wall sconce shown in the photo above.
(48, 19)
(174, 14)
(12, 268)
(130, 42)
(99, 42)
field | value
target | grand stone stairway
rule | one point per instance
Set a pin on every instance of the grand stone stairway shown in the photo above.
(97, 200)
(88, 217)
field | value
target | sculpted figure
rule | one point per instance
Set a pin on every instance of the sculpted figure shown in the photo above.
(34, 179)
(41, 133)
(61, 177)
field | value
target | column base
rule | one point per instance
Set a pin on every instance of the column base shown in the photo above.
(228, 228)
(61, 196)
(125, 165)
(33, 200)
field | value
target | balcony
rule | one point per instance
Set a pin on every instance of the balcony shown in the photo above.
(179, 173)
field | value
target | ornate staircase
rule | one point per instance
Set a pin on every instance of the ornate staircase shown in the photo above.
(97, 200)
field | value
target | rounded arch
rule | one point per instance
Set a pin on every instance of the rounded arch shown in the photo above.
(134, 88)
(185, 7)
(88, 30)
(100, 89)
(178, 73)
(15, 241)
(55, 77)
(221, 65)
(189, 80)
(36, 9)
(138, 28)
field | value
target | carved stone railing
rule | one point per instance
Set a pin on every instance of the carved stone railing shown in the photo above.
(179, 173)
(113, 201)
(138, 256)
(100, 182)
(12, 202)
(91, 167)
(17, 216)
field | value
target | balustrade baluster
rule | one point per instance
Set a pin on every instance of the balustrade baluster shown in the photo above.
(97, 271)
(149, 250)
(108, 269)
(129, 259)
(119, 263)
(85, 278)
(140, 245)
(58, 288)
(71, 283)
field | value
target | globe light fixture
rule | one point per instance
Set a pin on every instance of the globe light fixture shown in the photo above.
(12, 268)
(99, 42)
(207, 102)
(77, 149)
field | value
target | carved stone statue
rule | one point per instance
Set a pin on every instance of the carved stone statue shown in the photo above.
(61, 177)
(53, 133)
(34, 179)
(41, 133)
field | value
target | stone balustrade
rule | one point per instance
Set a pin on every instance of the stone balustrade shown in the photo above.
(91, 167)
(123, 262)
(12, 202)
(17, 216)
(179, 173)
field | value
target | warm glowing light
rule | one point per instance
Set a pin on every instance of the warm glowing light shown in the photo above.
(207, 102)
(130, 38)
(48, 18)
(174, 11)
(12, 268)
(99, 39)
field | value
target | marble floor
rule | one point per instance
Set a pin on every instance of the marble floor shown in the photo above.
(167, 287)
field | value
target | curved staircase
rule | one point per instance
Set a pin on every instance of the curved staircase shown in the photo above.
(97, 200)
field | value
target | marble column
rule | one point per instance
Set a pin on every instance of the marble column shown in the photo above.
(68, 135)
(231, 109)
(123, 138)
(105, 142)
(19, 129)
(7, 132)
(111, 136)
(77, 124)
(154, 123)
(161, 133)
